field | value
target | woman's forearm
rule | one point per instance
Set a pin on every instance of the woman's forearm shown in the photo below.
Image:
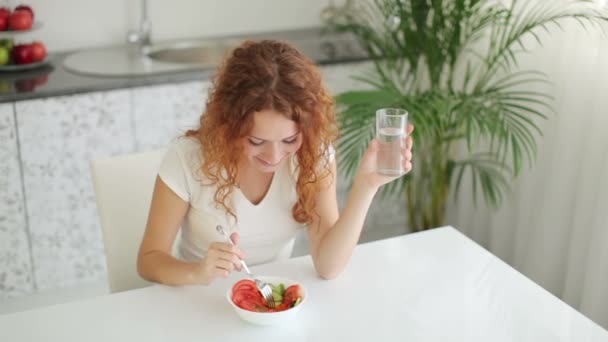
(163, 268)
(336, 246)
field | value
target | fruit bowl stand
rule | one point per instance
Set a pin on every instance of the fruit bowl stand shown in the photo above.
(9, 36)
(37, 25)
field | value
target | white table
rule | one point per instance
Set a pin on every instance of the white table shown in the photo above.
(432, 286)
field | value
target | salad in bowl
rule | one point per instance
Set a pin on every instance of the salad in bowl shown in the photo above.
(250, 305)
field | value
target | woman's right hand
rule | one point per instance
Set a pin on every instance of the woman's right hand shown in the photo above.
(222, 258)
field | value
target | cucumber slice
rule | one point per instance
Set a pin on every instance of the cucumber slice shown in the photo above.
(278, 291)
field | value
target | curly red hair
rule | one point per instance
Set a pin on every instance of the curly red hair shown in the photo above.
(267, 75)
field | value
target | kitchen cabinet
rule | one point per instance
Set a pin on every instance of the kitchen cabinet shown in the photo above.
(162, 113)
(58, 137)
(15, 264)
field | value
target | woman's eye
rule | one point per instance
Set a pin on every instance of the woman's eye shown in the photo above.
(255, 143)
(291, 141)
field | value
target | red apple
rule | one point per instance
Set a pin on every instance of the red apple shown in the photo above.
(26, 8)
(38, 51)
(22, 54)
(3, 23)
(4, 12)
(20, 20)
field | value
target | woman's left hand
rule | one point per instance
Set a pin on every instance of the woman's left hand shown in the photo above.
(367, 172)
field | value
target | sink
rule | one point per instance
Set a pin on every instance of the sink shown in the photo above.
(205, 54)
(200, 54)
(125, 61)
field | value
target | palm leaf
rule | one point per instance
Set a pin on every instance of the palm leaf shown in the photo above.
(454, 66)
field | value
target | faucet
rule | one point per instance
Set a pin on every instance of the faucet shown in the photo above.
(141, 37)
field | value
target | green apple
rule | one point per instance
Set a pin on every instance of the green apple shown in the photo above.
(7, 43)
(4, 55)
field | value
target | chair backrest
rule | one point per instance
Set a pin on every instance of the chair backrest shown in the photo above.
(123, 190)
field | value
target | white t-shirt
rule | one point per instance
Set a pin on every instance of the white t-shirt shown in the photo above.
(267, 230)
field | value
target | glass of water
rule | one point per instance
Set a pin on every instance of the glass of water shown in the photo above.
(390, 133)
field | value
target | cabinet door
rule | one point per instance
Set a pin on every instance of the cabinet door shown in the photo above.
(162, 113)
(15, 264)
(58, 137)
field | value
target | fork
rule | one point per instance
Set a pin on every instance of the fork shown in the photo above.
(262, 286)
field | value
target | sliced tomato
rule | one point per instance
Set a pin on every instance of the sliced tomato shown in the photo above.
(245, 284)
(245, 305)
(292, 293)
(247, 297)
(245, 289)
(252, 296)
(252, 305)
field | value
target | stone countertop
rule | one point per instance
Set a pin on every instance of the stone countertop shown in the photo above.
(54, 80)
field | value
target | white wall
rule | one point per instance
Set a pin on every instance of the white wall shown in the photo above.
(75, 24)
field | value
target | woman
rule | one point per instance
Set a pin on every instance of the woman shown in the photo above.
(261, 164)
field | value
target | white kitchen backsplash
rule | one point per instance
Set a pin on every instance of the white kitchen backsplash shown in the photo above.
(76, 24)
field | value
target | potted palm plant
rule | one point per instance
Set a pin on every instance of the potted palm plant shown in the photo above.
(454, 66)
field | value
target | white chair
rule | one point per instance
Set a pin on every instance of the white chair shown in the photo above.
(123, 190)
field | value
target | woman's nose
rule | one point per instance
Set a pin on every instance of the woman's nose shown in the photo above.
(273, 153)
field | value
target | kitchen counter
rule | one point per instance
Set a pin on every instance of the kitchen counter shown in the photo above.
(55, 80)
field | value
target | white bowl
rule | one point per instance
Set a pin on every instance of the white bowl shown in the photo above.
(269, 318)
